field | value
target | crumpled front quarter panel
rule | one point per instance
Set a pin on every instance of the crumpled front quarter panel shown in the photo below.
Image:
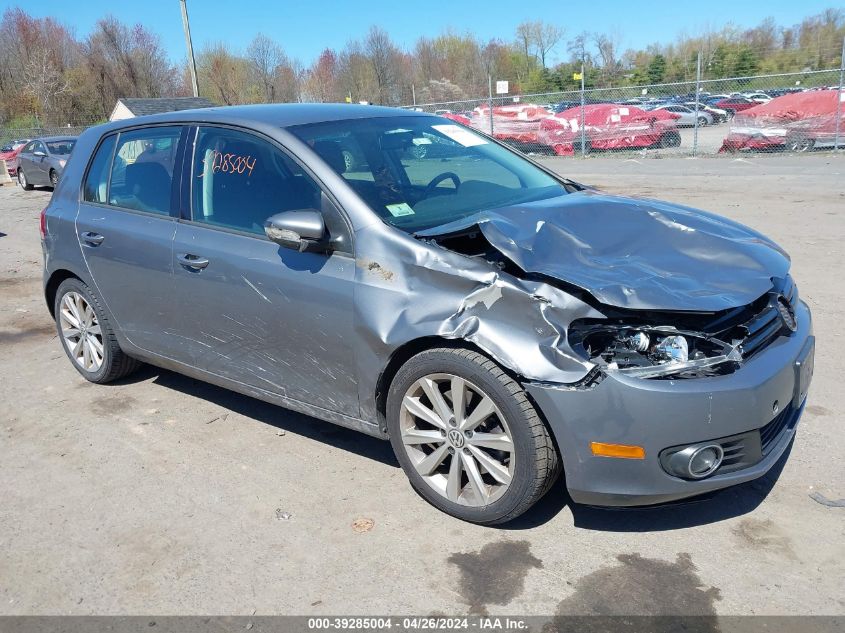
(406, 289)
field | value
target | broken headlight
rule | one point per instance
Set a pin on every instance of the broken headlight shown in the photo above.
(652, 351)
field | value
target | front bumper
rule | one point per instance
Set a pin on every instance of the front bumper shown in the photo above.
(657, 414)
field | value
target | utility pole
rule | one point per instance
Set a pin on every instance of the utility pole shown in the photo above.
(490, 100)
(583, 106)
(840, 95)
(191, 63)
(697, 96)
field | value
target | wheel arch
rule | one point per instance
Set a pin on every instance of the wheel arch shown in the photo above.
(406, 351)
(52, 286)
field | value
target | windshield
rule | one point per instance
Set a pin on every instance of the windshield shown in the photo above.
(61, 148)
(421, 172)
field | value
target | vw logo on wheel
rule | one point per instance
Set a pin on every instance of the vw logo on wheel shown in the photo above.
(456, 438)
(787, 313)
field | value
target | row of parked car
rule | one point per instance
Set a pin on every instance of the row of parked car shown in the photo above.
(792, 119)
(37, 161)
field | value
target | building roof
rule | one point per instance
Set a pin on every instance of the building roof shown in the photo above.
(141, 107)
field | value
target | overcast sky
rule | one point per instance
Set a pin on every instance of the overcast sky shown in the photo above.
(305, 28)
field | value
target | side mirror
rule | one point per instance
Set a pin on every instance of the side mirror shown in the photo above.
(301, 230)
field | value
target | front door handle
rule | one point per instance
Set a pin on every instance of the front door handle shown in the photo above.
(194, 262)
(91, 238)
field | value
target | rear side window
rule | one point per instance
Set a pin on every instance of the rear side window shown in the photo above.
(97, 181)
(142, 170)
(240, 180)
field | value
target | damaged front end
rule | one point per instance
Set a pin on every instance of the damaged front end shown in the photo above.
(656, 344)
(683, 345)
(681, 295)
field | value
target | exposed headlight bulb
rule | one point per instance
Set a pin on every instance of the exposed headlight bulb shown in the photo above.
(638, 341)
(673, 349)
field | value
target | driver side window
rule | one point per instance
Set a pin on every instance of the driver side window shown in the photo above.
(239, 180)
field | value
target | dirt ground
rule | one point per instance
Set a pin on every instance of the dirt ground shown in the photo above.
(164, 495)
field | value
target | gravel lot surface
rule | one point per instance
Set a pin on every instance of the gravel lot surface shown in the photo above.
(164, 495)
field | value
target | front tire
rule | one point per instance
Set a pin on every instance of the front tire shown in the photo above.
(54, 178)
(468, 438)
(670, 139)
(87, 335)
(800, 144)
(23, 182)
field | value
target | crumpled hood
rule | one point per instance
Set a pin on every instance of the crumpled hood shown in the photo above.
(633, 253)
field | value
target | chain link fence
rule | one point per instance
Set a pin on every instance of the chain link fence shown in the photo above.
(14, 137)
(788, 112)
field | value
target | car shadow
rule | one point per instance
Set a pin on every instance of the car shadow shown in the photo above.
(701, 510)
(270, 414)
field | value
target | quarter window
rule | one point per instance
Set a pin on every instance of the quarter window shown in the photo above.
(142, 171)
(239, 180)
(97, 181)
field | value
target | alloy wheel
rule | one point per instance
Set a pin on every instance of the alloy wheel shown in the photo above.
(81, 332)
(21, 178)
(54, 178)
(457, 439)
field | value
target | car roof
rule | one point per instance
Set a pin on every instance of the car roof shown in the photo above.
(276, 114)
(53, 139)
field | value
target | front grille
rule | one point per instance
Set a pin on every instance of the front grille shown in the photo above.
(762, 329)
(755, 326)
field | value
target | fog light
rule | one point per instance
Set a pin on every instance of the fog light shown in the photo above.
(694, 462)
(704, 461)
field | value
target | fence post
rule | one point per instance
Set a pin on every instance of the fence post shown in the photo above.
(840, 94)
(490, 100)
(697, 98)
(583, 103)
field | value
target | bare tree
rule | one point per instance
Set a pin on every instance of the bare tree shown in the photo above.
(321, 81)
(265, 57)
(382, 54)
(223, 76)
(546, 37)
(525, 42)
(43, 79)
(606, 45)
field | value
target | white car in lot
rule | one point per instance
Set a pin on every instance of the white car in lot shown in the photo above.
(687, 115)
(759, 97)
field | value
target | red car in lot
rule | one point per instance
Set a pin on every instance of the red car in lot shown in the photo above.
(9, 152)
(608, 126)
(734, 105)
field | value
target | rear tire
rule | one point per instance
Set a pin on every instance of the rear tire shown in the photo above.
(576, 146)
(702, 121)
(495, 441)
(670, 139)
(22, 181)
(87, 335)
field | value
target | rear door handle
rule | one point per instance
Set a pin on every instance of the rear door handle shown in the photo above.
(194, 262)
(92, 239)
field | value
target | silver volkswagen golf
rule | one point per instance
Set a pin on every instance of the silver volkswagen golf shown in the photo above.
(496, 322)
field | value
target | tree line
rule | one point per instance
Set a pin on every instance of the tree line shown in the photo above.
(49, 75)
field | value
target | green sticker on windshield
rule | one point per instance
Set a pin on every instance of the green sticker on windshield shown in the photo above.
(398, 210)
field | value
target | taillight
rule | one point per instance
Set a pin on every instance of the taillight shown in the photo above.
(42, 224)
